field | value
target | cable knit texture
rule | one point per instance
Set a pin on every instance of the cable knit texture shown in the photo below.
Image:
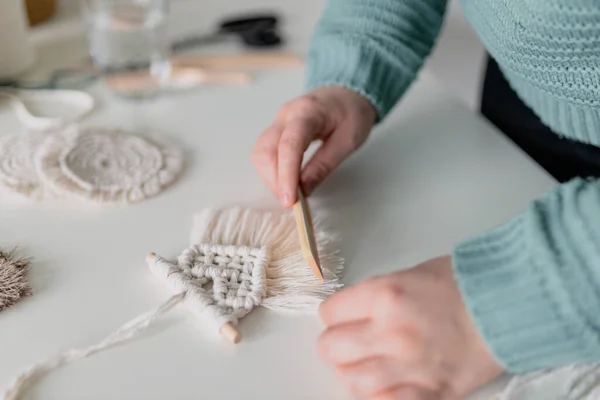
(531, 285)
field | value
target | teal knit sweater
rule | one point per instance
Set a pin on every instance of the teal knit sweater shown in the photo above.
(532, 285)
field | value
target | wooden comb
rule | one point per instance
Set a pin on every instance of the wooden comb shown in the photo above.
(306, 233)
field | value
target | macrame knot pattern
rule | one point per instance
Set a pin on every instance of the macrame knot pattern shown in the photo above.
(107, 166)
(17, 169)
(225, 281)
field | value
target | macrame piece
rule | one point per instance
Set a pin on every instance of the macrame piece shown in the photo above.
(251, 258)
(13, 279)
(105, 166)
(17, 167)
(237, 275)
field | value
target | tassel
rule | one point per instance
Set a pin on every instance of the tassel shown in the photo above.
(13, 279)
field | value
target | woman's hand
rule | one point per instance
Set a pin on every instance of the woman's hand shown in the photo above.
(406, 336)
(339, 117)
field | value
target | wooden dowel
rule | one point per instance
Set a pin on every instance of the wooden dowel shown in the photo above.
(231, 332)
(150, 257)
(245, 61)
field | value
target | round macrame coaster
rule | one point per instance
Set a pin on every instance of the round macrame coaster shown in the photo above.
(17, 167)
(107, 166)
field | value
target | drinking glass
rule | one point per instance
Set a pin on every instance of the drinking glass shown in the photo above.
(128, 43)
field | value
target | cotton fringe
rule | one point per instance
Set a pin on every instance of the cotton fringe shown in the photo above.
(291, 284)
(582, 382)
(13, 279)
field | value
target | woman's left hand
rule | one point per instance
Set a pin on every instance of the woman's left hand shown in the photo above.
(406, 336)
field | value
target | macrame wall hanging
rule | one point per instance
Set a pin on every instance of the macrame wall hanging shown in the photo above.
(94, 165)
(238, 259)
(13, 279)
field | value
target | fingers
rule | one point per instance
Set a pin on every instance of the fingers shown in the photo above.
(295, 138)
(358, 341)
(279, 150)
(348, 343)
(326, 159)
(407, 393)
(353, 304)
(264, 156)
(376, 376)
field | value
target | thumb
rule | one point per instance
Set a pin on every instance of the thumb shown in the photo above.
(408, 393)
(332, 152)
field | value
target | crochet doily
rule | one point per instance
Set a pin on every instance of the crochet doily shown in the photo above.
(107, 166)
(237, 275)
(17, 170)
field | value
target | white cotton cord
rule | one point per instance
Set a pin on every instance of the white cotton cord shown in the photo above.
(130, 330)
(77, 102)
(291, 284)
(237, 275)
(581, 382)
(107, 166)
(17, 167)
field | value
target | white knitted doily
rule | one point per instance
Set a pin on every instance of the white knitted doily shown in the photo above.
(237, 275)
(17, 170)
(107, 166)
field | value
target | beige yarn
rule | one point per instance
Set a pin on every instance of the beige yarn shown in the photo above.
(17, 169)
(13, 279)
(107, 166)
(237, 275)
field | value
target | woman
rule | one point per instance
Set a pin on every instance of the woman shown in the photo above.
(521, 297)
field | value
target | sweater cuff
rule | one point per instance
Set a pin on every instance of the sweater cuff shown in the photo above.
(518, 301)
(353, 64)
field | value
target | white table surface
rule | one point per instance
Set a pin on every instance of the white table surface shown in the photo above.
(432, 174)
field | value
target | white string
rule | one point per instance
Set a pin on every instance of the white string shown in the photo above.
(130, 330)
(581, 382)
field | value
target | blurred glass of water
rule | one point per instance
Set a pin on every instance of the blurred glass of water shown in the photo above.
(128, 41)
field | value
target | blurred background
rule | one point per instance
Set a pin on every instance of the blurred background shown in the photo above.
(457, 60)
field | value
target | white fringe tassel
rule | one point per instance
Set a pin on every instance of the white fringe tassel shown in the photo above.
(130, 330)
(582, 382)
(291, 284)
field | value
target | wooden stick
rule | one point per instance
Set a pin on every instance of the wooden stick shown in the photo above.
(150, 257)
(231, 332)
(306, 234)
(180, 77)
(245, 61)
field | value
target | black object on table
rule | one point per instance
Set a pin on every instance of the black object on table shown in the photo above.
(254, 31)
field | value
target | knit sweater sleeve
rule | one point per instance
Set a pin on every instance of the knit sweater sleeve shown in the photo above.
(532, 285)
(373, 47)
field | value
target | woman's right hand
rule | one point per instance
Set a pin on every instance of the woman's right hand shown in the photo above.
(340, 118)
